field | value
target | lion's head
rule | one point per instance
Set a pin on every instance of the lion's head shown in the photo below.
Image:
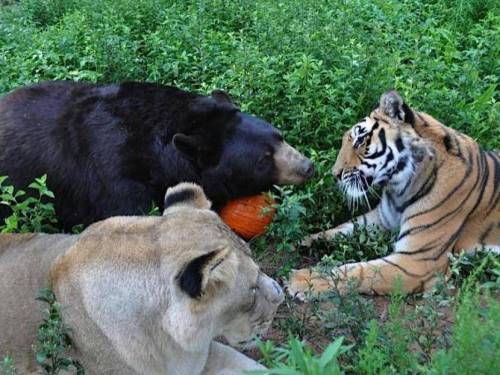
(180, 279)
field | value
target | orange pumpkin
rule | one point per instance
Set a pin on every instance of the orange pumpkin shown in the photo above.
(249, 216)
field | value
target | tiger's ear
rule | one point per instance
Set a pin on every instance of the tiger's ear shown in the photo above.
(185, 194)
(392, 105)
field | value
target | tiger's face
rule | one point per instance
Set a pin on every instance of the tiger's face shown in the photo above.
(377, 151)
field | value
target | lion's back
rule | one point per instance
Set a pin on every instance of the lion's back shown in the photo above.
(25, 260)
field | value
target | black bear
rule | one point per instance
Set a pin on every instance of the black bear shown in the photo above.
(114, 149)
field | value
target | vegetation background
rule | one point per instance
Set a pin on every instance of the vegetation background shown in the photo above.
(312, 68)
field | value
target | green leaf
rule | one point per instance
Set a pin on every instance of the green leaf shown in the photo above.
(41, 357)
(330, 353)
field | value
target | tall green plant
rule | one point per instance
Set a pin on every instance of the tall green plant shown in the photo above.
(7, 367)
(53, 339)
(297, 359)
(27, 213)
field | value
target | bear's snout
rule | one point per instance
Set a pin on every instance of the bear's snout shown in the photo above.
(308, 169)
(292, 166)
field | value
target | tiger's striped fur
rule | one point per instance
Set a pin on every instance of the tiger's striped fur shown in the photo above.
(439, 188)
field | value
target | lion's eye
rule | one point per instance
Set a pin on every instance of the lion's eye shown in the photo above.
(251, 302)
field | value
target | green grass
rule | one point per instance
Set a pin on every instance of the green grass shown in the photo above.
(312, 68)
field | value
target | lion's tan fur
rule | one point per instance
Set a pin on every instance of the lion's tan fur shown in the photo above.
(117, 284)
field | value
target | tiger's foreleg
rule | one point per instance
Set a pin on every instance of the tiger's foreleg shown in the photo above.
(370, 218)
(378, 276)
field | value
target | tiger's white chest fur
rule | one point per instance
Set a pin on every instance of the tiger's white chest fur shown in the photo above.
(396, 193)
(389, 216)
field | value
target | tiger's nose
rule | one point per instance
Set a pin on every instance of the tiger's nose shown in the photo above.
(337, 173)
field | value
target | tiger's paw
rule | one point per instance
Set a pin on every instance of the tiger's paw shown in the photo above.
(308, 240)
(305, 283)
(326, 236)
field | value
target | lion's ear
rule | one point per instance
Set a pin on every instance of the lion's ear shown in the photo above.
(186, 194)
(392, 105)
(201, 272)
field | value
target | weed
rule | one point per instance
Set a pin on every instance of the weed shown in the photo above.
(298, 359)
(285, 232)
(7, 367)
(484, 266)
(364, 243)
(350, 312)
(27, 213)
(373, 359)
(154, 210)
(414, 340)
(475, 341)
(430, 317)
(399, 337)
(53, 339)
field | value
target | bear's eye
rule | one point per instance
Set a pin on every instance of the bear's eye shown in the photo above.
(265, 158)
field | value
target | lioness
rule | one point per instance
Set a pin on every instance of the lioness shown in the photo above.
(142, 295)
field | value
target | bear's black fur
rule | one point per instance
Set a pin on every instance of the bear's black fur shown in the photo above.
(114, 149)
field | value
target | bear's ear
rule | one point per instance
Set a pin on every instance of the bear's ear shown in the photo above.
(199, 274)
(201, 153)
(218, 104)
(223, 97)
(186, 145)
(186, 194)
(392, 105)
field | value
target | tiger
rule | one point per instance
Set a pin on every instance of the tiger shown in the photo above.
(439, 192)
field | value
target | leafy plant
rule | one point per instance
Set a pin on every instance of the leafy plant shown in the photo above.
(53, 339)
(154, 210)
(364, 243)
(428, 318)
(27, 213)
(7, 366)
(398, 335)
(350, 312)
(297, 359)
(483, 266)
(373, 358)
(286, 231)
(475, 341)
